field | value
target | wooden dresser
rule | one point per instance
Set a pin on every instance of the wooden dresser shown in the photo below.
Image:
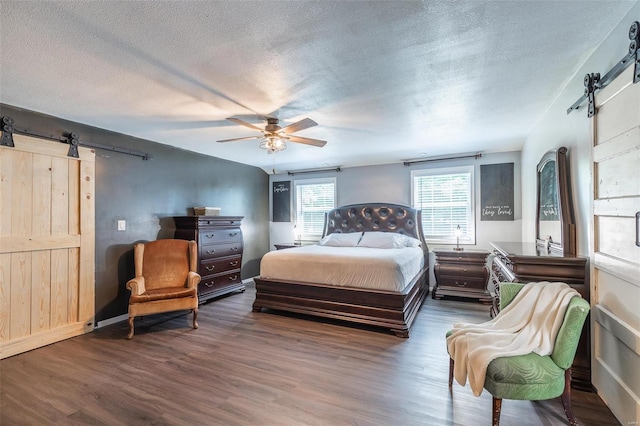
(219, 241)
(526, 262)
(461, 273)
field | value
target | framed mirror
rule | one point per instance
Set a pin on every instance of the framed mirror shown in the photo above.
(555, 226)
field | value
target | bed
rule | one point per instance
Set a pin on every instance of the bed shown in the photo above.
(361, 299)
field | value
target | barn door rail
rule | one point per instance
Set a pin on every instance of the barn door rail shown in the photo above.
(593, 83)
(71, 138)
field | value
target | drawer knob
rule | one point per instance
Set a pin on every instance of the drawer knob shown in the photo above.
(461, 285)
(233, 263)
(234, 248)
(233, 234)
(210, 251)
(210, 268)
(209, 284)
(209, 235)
(233, 278)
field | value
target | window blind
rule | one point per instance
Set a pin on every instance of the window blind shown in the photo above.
(446, 203)
(313, 200)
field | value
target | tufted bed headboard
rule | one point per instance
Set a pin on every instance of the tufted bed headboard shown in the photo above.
(381, 217)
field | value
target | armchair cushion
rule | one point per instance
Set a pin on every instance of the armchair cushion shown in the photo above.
(526, 377)
(163, 293)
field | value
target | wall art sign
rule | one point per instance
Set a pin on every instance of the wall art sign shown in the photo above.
(496, 192)
(281, 200)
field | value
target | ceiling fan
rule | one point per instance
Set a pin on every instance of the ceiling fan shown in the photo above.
(274, 138)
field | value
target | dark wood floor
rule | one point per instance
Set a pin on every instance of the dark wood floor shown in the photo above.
(247, 368)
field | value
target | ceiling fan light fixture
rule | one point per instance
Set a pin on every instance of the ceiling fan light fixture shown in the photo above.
(273, 144)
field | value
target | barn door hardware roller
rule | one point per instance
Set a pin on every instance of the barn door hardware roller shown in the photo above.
(593, 83)
(7, 132)
(72, 140)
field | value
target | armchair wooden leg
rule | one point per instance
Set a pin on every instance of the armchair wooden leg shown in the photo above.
(497, 406)
(450, 374)
(566, 398)
(131, 329)
(195, 318)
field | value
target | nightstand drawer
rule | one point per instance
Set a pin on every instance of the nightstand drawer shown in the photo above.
(472, 271)
(461, 282)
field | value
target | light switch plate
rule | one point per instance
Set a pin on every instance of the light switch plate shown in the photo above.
(122, 225)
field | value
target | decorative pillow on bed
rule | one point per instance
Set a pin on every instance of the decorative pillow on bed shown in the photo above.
(387, 240)
(349, 239)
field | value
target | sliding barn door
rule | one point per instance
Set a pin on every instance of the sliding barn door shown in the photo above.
(616, 255)
(46, 244)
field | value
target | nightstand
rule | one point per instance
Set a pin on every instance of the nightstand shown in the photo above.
(286, 246)
(462, 273)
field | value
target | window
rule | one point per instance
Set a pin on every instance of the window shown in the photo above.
(445, 197)
(314, 197)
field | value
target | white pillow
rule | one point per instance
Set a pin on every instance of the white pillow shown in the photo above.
(387, 240)
(349, 239)
(408, 241)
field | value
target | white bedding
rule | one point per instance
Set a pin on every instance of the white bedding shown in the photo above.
(363, 267)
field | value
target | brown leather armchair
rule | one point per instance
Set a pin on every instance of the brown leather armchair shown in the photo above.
(166, 279)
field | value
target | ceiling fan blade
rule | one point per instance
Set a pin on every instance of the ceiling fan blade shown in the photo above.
(244, 123)
(307, 141)
(300, 125)
(240, 139)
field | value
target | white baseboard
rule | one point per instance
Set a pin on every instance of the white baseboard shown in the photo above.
(113, 320)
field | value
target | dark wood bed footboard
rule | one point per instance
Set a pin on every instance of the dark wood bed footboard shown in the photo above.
(391, 310)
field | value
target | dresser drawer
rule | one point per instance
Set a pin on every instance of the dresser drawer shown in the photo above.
(220, 250)
(215, 283)
(217, 266)
(218, 236)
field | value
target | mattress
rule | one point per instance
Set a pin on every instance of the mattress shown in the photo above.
(362, 267)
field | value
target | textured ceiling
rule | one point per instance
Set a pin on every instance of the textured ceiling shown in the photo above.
(385, 80)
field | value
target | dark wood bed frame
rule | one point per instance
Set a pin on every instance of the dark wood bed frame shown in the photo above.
(392, 310)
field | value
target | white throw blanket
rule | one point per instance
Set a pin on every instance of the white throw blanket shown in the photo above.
(528, 324)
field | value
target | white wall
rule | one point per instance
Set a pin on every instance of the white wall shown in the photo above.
(391, 183)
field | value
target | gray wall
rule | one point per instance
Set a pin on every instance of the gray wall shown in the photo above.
(391, 183)
(148, 193)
